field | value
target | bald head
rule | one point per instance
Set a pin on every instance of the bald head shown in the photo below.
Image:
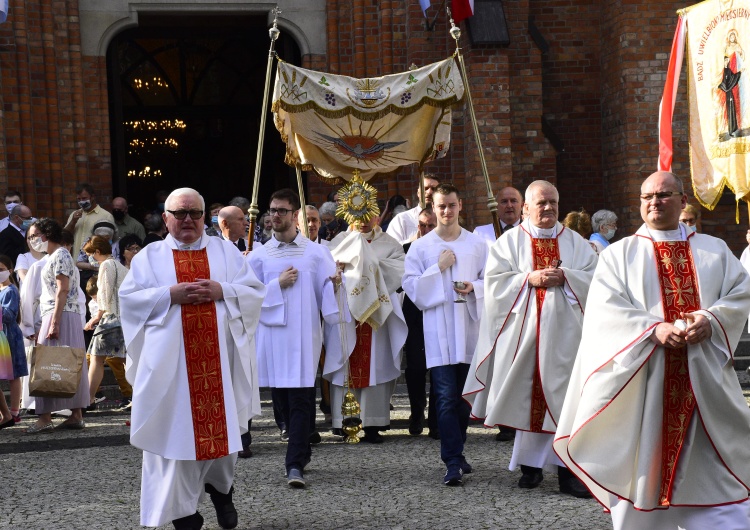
(232, 223)
(662, 199)
(510, 205)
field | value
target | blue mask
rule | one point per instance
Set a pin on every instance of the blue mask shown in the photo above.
(26, 224)
(215, 220)
(93, 262)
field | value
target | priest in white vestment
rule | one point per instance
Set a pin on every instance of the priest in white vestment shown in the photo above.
(376, 330)
(654, 421)
(403, 226)
(300, 277)
(189, 307)
(536, 281)
(451, 316)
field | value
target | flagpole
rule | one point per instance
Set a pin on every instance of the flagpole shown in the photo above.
(455, 32)
(302, 206)
(273, 33)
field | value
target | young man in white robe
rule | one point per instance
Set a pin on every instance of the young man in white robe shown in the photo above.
(189, 309)
(654, 421)
(376, 330)
(403, 227)
(434, 263)
(536, 282)
(300, 277)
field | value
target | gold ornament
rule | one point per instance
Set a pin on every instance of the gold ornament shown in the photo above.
(357, 201)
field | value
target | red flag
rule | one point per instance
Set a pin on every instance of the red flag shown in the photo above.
(461, 9)
(666, 107)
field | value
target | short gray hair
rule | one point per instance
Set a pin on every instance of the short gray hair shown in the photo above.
(328, 208)
(601, 218)
(179, 192)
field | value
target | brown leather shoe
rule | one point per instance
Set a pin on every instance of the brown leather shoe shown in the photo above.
(245, 453)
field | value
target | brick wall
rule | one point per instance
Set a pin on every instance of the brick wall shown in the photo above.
(54, 104)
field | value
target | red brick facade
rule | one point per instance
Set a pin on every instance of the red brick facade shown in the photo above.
(598, 88)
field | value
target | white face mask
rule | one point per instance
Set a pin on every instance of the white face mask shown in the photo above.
(4, 275)
(693, 228)
(38, 245)
(10, 206)
(609, 234)
(93, 262)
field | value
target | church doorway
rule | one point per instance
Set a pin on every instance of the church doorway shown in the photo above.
(185, 95)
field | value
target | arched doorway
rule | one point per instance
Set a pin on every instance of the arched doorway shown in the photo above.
(185, 103)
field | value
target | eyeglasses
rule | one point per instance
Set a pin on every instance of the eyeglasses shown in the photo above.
(281, 211)
(133, 248)
(181, 214)
(661, 196)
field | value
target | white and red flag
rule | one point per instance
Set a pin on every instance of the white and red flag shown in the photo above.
(460, 9)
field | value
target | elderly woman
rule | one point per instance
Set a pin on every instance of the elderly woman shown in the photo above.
(107, 340)
(129, 246)
(604, 225)
(61, 324)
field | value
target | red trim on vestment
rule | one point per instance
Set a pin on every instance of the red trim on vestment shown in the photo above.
(200, 331)
(359, 360)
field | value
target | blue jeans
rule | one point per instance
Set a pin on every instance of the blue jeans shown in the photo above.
(294, 405)
(452, 411)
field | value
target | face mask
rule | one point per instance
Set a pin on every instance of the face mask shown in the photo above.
(119, 215)
(215, 220)
(93, 262)
(4, 275)
(10, 206)
(38, 245)
(85, 205)
(693, 228)
(609, 234)
(26, 224)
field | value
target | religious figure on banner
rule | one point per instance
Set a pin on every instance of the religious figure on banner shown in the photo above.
(733, 92)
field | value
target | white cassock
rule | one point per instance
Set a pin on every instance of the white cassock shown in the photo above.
(610, 429)
(290, 335)
(512, 344)
(451, 330)
(162, 425)
(375, 269)
(404, 225)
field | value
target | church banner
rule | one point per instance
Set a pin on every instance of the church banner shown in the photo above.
(716, 34)
(334, 124)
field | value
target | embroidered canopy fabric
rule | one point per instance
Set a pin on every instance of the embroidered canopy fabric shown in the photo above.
(334, 124)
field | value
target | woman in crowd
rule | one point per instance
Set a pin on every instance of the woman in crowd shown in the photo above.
(213, 228)
(395, 205)
(61, 325)
(24, 261)
(604, 225)
(10, 303)
(129, 245)
(107, 340)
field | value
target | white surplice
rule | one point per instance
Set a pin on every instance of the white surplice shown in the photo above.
(161, 418)
(500, 379)
(450, 329)
(290, 335)
(610, 429)
(404, 225)
(384, 257)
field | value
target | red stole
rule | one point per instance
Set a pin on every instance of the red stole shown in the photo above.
(359, 360)
(200, 333)
(679, 294)
(544, 252)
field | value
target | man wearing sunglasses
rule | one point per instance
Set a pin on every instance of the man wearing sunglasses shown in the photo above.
(654, 421)
(189, 307)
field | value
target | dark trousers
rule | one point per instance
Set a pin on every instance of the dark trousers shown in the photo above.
(294, 406)
(247, 438)
(453, 412)
(415, 374)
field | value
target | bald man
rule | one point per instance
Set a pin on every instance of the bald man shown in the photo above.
(654, 421)
(536, 281)
(234, 226)
(509, 208)
(126, 224)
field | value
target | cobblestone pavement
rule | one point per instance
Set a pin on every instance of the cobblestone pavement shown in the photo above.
(91, 480)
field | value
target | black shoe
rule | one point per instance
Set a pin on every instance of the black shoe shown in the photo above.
(570, 484)
(434, 434)
(531, 478)
(284, 435)
(246, 452)
(453, 476)
(226, 514)
(191, 522)
(124, 405)
(314, 438)
(506, 435)
(372, 436)
(465, 466)
(415, 425)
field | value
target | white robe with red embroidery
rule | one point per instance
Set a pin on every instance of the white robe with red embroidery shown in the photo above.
(610, 428)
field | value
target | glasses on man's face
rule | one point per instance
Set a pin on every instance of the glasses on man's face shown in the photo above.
(280, 211)
(14, 201)
(181, 214)
(661, 196)
(133, 248)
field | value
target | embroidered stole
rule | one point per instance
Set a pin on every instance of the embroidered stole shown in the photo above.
(359, 360)
(545, 252)
(679, 294)
(200, 332)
